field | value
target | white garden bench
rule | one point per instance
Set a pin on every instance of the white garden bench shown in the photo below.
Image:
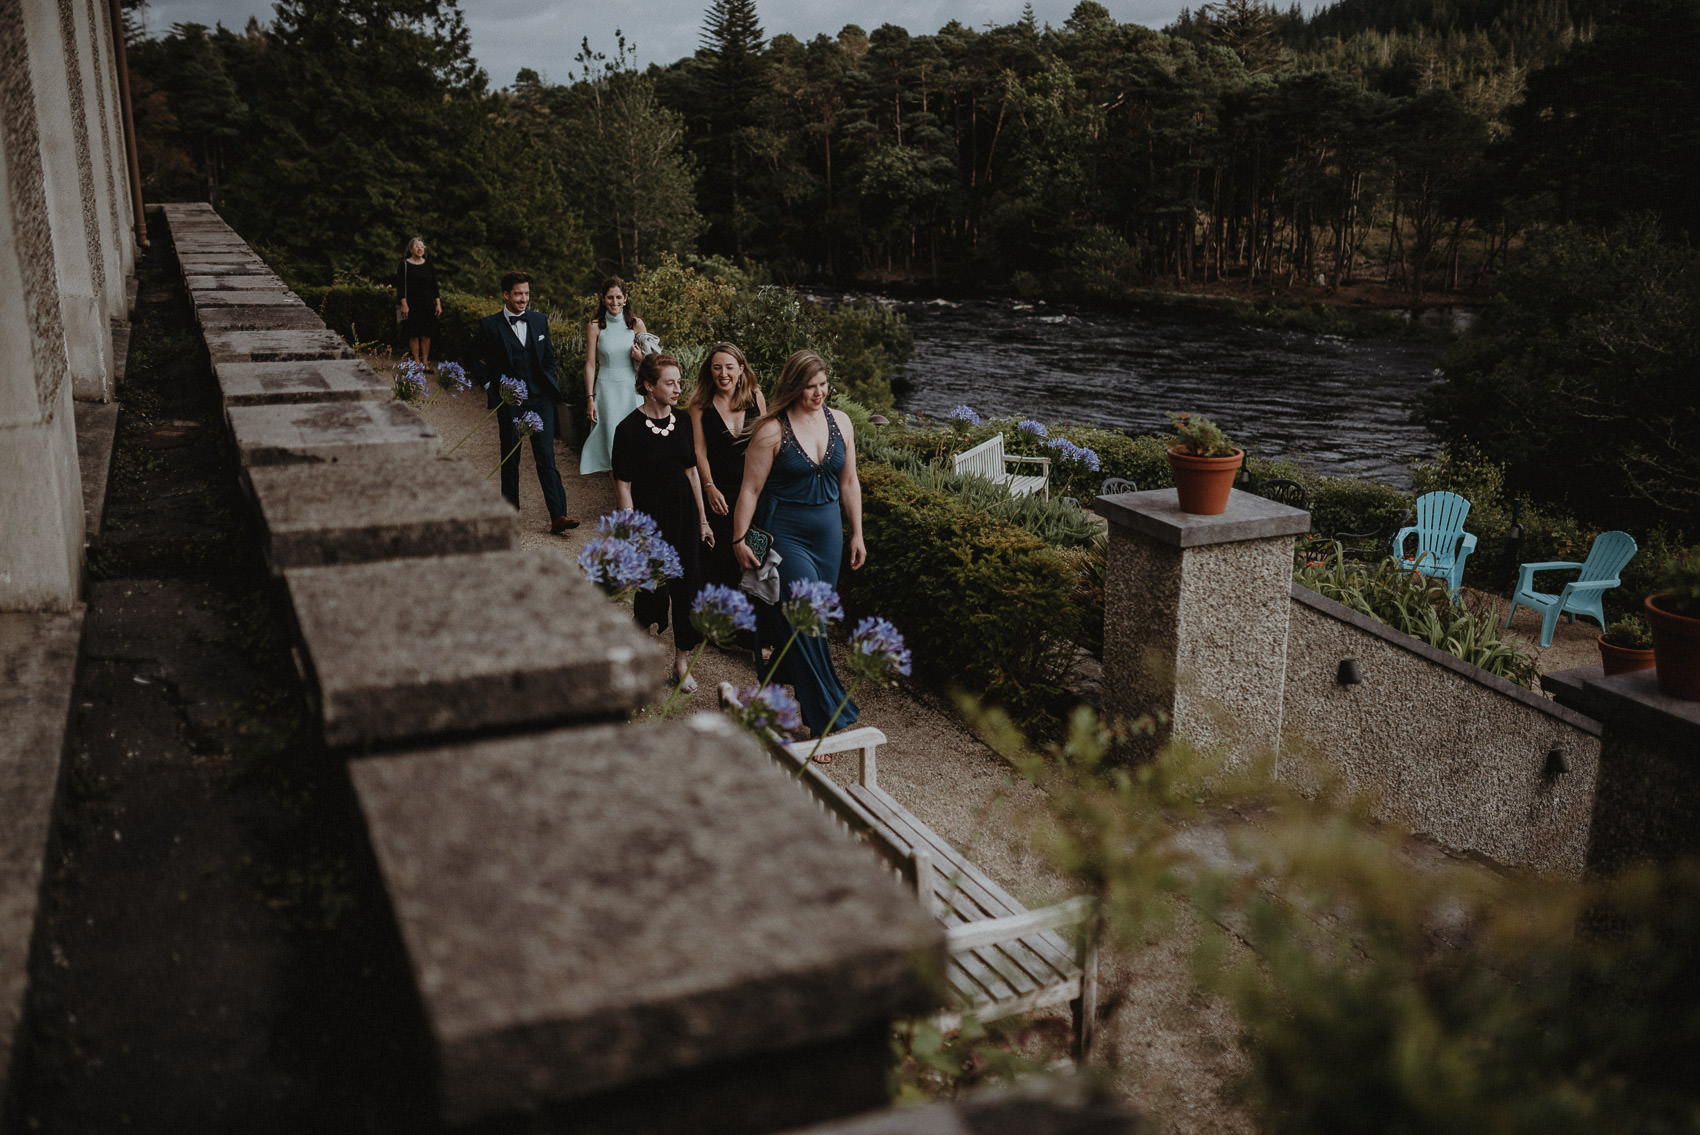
(1004, 959)
(988, 460)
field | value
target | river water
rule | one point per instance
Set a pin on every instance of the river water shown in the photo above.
(1335, 405)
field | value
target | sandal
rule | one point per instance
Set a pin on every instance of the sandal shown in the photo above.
(823, 758)
(690, 682)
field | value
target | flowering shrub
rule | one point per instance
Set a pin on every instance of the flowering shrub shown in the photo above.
(766, 709)
(877, 651)
(1037, 429)
(964, 418)
(410, 381)
(1078, 454)
(628, 555)
(720, 612)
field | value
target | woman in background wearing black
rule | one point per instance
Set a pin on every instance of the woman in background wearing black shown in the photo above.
(420, 302)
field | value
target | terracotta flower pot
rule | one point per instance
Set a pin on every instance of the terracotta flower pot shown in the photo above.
(1676, 650)
(1623, 659)
(1203, 482)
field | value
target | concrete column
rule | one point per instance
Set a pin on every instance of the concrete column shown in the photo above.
(58, 66)
(41, 504)
(1195, 617)
(106, 150)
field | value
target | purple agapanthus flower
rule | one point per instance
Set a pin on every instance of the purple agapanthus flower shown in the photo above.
(664, 563)
(528, 423)
(1069, 451)
(1036, 428)
(720, 612)
(627, 523)
(769, 708)
(409, 381)
(452, 378)
(512, 390)
(812, 606)
(966, 415)
(877, 650)
(614, 564)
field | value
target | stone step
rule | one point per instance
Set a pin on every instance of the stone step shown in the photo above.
(316, 515)
(306, 380)
(407, 649)
(591, 911)
(258, 317)
(328, 432)
(216, 282)
(275, 346)
(246, 297)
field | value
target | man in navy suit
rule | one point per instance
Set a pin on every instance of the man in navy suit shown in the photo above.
(514, 343)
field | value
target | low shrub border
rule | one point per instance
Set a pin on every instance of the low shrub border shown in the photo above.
(992, 602)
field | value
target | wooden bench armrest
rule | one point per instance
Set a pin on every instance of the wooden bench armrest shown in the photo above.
(1045, 461)
(864, 740)
(990, 931)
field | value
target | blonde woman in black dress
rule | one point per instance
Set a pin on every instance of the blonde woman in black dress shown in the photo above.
(724, 408)
(420, 301)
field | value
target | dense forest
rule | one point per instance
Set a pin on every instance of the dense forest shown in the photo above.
(1426, 145)
(1239, 143)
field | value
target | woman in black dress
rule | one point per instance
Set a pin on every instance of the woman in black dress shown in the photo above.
(419, 300)
(655, 472)
(724, 408)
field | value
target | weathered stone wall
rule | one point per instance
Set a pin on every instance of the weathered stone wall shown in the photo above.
(66, 249)
(1443, 746)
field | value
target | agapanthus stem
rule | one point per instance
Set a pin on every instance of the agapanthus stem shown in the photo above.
(679, 687)
(504, 460)
(773, 667)
(844, 701)
(473, 430)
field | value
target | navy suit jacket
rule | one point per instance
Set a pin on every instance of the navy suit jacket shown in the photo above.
(498, 352)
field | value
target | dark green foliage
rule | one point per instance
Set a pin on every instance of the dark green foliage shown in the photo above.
(341, 130)
(1612, 128)
(992, 599)
(1422, 608)
(1581, 377)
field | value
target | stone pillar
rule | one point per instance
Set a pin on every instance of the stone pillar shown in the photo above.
(1195, 617)
(111, 161)
(59, 66)
(41, 507)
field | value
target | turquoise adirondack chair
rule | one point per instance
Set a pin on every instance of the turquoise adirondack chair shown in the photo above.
(1442, 543)
(1599, 573)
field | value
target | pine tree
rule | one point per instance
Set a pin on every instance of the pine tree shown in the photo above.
(734, 79)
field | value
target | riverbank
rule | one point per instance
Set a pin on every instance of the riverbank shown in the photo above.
(1367, 308)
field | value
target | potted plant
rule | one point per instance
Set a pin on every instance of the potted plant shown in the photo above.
(1204, 462)
(1627, 645)
(1673, 613)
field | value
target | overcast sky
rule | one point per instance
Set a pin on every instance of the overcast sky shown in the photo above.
(544, 34)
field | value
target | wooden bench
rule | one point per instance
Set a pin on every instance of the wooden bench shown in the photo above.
(1004, 958)
(989, 461)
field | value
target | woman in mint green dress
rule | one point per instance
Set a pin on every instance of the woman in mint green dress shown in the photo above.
(610, 374)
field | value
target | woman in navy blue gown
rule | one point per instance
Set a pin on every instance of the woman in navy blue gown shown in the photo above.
(799, 470)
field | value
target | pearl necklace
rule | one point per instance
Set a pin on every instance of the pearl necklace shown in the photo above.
(657, 430)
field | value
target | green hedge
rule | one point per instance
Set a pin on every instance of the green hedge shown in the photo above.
(984, 604)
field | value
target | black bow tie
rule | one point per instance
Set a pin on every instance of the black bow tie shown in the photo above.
(513, 319)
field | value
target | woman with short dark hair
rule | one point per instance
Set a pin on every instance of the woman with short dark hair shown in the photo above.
(655, 472)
